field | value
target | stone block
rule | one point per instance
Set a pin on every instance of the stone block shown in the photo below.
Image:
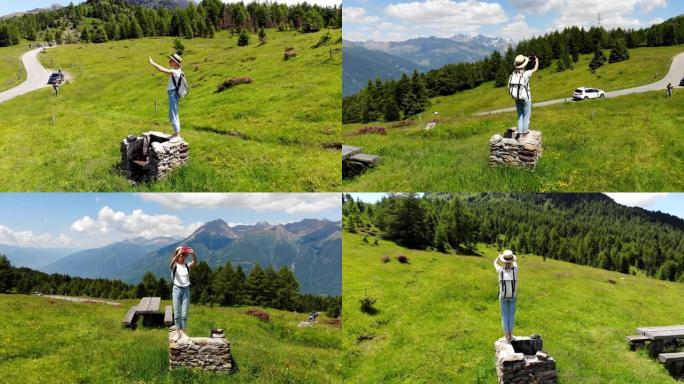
(508, 150)
(208, 353)
(514, 365)
(152, 156)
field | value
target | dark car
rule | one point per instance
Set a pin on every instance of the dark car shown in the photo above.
(56, 78)
(681, 83)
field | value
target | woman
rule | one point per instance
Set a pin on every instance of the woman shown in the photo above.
(520, 81)
(181, 286)
(508, 290)
(175, 78)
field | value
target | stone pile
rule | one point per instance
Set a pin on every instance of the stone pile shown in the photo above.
(152, 156)
(206, 353)
(523, 361)
(507, 150)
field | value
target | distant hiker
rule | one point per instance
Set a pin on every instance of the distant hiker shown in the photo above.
(508, 290)
(669, 90)
(519, 89)
(177, 88)
(181, 286)
(61, 75)
(312, 317)
(55, 88)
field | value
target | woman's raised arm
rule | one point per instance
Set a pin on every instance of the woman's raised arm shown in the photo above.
(159, 67)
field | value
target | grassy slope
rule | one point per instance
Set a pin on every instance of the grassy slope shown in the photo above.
(12, 71)
(267, 136)
(85, 343)
(439, 317)
(641, 153)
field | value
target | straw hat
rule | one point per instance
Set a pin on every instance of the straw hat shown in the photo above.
(175, 57)
(508, 256)
(521, 61)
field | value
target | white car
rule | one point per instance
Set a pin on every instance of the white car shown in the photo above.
(584, 93)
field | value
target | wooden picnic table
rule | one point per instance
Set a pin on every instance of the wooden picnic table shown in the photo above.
(349, 151)
(148, 307)
(661, 335)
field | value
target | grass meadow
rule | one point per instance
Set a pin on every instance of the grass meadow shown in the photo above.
(280, 133)
(438, 317)
(12, 71)
(630, 143)
(45, 340)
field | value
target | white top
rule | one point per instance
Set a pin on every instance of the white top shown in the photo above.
(182, 278)
(508, 283)
(175, 75)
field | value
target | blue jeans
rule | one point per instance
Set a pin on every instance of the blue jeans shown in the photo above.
(524, 108)
(508, 314)
(173, 110)
(181, 300)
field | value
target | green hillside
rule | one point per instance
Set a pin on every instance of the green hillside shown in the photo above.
(628, 143)
(438, 317)
(279, 133)
(12, 72)
(58, 341)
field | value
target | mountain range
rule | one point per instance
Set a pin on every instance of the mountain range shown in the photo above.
(312, 248)
(34, 258)
(363, 61)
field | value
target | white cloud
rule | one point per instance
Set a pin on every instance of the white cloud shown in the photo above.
(538, 6)
(28, 238)
(637, 199)
(356, 15)
(136, 223)
(286, 202)
(649, 5)
(518, 29)
(614, 13)
(457, 16)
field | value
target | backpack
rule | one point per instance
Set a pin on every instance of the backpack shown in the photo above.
(504, 293)
(182, 87)
(519, 86)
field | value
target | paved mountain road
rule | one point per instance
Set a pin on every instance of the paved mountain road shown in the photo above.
(36, 76)
(674, 76)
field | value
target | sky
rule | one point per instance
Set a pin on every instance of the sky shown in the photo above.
(11, 6)
(672, 203)
(398, 20)
(93, 220)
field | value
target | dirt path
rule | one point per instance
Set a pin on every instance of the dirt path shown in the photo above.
(80, 299)
(36, 76)
(673, 76)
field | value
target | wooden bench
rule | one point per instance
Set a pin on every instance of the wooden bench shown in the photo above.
(674, 363)
(636, 341)
(148, 308)
(131, 318)
(168, 316)
(354, 162)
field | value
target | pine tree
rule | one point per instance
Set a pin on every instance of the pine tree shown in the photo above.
(254, 285)
(262, 36)
(598, 60)
(99, 35)
(287, 290)
(391, 110)
(313, 22)
(403, 94)
(136, 29)
(564, 60)
(6, 274)
(178, 47)
(243, 39)
(418, 99)
(619, 52)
